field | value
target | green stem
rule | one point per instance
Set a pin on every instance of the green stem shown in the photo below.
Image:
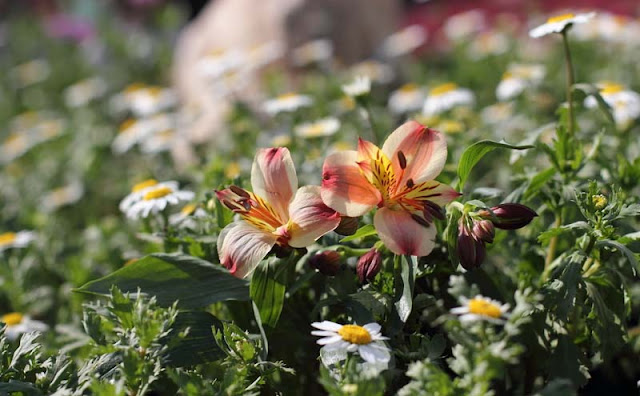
(552, 247)
(374, 130)
(570, 81)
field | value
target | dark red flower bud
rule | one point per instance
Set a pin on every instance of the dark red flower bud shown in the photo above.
(327, 262)
(369, 265)
(348, 226)
(483, 230)
(471, 251)
(510, 216)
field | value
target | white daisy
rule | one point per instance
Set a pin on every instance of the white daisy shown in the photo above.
(185, 217)
(341, 339)
(558, 23)
(217, 63)
(518, 78)
(445, 97)
(14, 146)
(159, 142)
(156, 199)
(62, 196)
(134, 131)
(316, 51)
(481, 308)
(143, 100)
(19, 239)
(31, 72)
(320, 128)
(140, 189)
(407, 98)
(288, 102)
(18, 324)
(624, 103)
(83, 92)
(404, 42)
(378, 72)
(359, 87)
(488, 43)
(464, 24)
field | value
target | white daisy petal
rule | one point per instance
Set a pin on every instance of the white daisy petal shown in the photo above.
(372, 328)
(329, 340)
(326, 325)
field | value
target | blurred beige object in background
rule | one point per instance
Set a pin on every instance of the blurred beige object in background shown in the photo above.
(214, 57)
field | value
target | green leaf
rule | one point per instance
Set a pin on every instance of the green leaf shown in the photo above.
(538, 181)
(475, 152)
(191, 340)
(13, 386)
(267, 291)
(622, 249)
(193, 282)
(404, 288)
(362, 232)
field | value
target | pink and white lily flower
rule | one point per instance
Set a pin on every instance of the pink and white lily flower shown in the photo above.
(275, 213)
(398, 180)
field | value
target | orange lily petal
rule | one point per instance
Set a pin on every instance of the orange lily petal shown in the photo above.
(401, 234)
(424, 151)
(273, 177)
(309, 217)
(241, 247)
(415, 195)
(344, 188)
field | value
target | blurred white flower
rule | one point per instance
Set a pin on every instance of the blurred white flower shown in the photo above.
(316, 51)
(624, 103)
(464, 24)
(84, 92)
(144, 100)
(62, 196)
(288, 102)
(378, 72)
(360, 86)
(341, 339)
(558, 23)
(217, 63)
(488, 43)
(481, 308)
(404, 42)
(445, 97)
(31, 72)
(185, 217)
(157, 199)
(320, 128)
(18, 239)
(407, 98)
(18, 324)
(517, 78)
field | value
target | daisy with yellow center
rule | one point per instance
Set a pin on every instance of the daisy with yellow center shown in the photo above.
(286, 103)
(481, 308)
(445, 97)
(339, 340)
(320, 128)
(83, 92)
(62, 196)
(375, 71)
(624, 103)
(409, 97)
(185, 218)
(144, 100)
(359, 87)
(139, 190)
(558, 24)
(18, 324)
(156, 199)
(517, 79)
(19, 239)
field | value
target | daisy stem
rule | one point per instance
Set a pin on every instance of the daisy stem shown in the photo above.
(570, 80)
(552, 247)
(369, 115)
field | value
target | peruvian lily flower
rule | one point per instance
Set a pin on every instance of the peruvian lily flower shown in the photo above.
(398, 180)
(273, 214)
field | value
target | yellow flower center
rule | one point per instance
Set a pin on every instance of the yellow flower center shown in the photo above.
(157, 193)
(599, 201)
(611, 88)
(314, 130)
(560, 18)
(507, 75)
(484, 308)
(408, 88)
(144, 184)
(444, 88)
(451, 126)
(134, 87)
(154, 91)
(126, 124)
(232, 170)
(12, 319)
(287, 96)
(355, 334)
(7, 238)
(188, 209)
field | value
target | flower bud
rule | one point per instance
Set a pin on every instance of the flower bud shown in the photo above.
(471, 251)
(483, 230)
(369, 265)
(327, 262)
(510, 216)
(348, 226)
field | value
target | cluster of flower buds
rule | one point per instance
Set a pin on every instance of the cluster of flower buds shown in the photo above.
(369, 265)
(477, 229)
